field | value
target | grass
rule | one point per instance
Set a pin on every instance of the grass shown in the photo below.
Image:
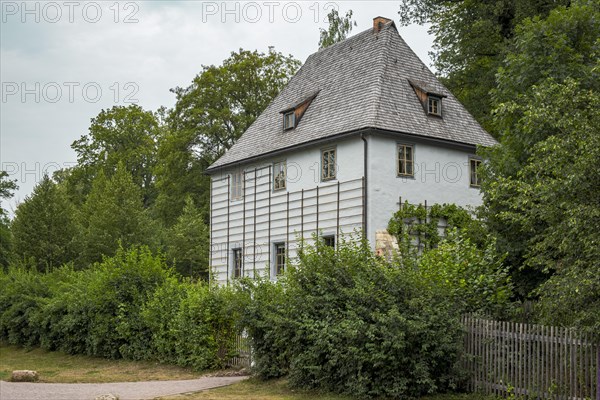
(257, 390)
(59, 367)
(278, 390)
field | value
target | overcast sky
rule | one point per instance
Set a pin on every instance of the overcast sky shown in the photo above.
(62, 62)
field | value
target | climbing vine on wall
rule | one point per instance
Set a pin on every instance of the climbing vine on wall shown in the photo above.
(425, 226)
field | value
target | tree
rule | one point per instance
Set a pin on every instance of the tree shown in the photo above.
(126, 135)
(112, 216)
(339, 28)
(44, 228)
(470, 40)
(188, 242)
(546, 88)
(7, 186)
(224, 100)
(209, 116)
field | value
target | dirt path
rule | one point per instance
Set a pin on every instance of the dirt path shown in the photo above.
(125, 390)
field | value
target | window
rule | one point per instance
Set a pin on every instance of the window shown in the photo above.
(329, 240)
(328, 165)
(434, 105)
(405, 160)
(237, 263)
(279, 258)
(279, 175)
(289, 120)
(473, 167)
(236, 186)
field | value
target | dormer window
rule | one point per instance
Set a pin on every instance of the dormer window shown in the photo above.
(289, 120)
(293, 113)
(429, 97)
(434, 105)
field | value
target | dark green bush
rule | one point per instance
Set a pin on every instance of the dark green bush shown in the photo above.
(129, 306)
(344, 321)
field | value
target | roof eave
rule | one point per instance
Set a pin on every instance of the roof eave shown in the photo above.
(355, 132)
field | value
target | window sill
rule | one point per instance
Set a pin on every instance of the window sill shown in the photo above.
(406, 176)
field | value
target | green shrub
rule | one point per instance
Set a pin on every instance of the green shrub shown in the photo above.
(344, 321)
(475, 280)
(21, 294)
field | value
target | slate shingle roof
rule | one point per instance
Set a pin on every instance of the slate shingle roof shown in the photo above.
(362, 82)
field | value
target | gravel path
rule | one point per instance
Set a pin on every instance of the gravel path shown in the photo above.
(125, 390)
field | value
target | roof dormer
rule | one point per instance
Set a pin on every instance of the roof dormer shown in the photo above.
(293, 115)
(430, 98)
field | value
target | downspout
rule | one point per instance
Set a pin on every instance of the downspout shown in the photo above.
(365, 163)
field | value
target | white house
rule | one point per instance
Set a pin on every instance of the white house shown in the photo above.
(362, 124)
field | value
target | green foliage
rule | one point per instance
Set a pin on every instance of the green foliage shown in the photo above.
(224, 100)
(470, 41)
(188, 242)
(415, 222)
(121, 135)
(474, 279)
(128, 306)
(44, 227)
(339, 28)
(343, 321)
(21, 292)
(7, 186)
(113, 215)
(564, 46)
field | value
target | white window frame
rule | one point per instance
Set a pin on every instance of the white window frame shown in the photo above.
(474, 164)
(289, 120)
(279, 184)
(405, 161)
(329, 176)
(235, 188)
(434, 105)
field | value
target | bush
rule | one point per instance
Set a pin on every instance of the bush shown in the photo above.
(344, 321)
(129, 306)
(475, 280)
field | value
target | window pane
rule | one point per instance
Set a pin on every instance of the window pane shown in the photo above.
(409, 168)
(408, 152)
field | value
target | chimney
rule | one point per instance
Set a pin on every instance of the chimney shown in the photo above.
(379, 23)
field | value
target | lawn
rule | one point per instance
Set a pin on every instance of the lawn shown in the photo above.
(278, 390)
(256, 390)
(63, 368)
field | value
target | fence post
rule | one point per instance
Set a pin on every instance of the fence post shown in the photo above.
(598, 372)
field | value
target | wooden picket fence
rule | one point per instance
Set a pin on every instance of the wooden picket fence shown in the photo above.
(243, 358)
(530, 360)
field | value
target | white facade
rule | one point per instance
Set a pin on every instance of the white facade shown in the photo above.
(265, 217)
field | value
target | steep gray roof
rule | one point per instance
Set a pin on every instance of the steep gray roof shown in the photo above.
(362, 82)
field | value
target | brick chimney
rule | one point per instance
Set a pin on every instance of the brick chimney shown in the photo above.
(379, 23)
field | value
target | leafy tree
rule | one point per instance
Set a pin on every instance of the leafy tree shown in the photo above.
(224, 100)
(565, 45)
(551, 58)
(44, 228)
(188, 242)
(470, 40)
(180, 174)
(112, 216)
(126, 135)
(548, 214)
(7, 186)
(339, 28)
